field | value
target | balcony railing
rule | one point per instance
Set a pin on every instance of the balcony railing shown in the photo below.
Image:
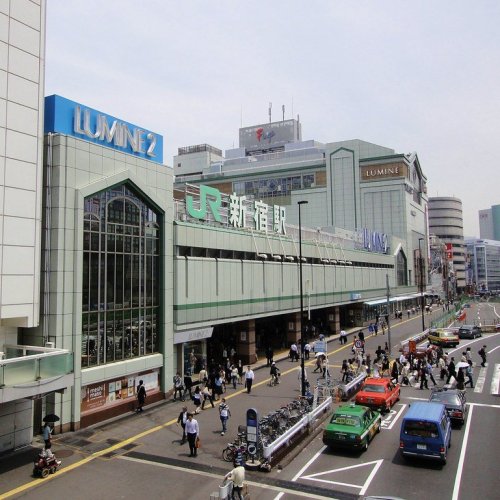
(30, 364)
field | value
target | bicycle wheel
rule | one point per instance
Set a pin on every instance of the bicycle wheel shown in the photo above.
(228, 454)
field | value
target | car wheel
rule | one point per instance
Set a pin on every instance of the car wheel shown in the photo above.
(378, 428)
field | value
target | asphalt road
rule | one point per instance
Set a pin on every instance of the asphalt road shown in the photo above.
(141, 456)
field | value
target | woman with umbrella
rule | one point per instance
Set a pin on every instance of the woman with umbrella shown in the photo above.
(47, 429)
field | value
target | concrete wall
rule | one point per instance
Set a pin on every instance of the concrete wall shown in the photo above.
(22, 47)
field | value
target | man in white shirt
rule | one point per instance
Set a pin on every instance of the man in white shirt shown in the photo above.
(249, 376)
(192, 432)
(237, 476)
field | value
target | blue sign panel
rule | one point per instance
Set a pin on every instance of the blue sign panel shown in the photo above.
(70, 118)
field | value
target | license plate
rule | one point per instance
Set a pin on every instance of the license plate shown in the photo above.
(341, 437)
(421, 447)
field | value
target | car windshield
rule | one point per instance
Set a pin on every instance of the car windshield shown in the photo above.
(445, 398)
(447, 334)
(373, 388)
(345, 420)
(420, 429)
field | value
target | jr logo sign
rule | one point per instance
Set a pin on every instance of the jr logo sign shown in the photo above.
(210, 196)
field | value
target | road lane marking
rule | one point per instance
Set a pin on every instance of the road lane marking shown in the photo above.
(315, 457)
(495, 381)
(219, 477)
(392, 422)
(458, 477)
(481, 379)
(494, 349)
(362, 488)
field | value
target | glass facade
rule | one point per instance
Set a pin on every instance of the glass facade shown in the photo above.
(274, 186)
(121, 264)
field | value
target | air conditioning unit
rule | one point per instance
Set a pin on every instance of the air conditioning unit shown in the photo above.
(50, 345)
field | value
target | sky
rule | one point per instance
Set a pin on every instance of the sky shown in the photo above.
(418, 76)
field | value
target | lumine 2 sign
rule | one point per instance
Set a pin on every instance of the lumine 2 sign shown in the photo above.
(70, 118)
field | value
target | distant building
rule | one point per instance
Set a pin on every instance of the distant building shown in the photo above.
(489, 223)
(353, 185)
(446, 222)
(483, 265)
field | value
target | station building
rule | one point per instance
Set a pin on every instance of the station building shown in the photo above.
(110, 275)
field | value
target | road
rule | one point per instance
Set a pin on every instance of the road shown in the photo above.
(140, 455)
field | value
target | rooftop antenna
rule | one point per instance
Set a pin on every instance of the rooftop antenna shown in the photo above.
(270, 107)
(283, 109)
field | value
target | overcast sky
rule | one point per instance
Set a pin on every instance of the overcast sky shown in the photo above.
(414, 76)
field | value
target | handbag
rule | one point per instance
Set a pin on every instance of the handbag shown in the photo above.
(198, 442)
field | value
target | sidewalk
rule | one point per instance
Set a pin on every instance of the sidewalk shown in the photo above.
(119, 434)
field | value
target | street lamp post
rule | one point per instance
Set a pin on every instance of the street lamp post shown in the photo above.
(302, 353)
(421, 272)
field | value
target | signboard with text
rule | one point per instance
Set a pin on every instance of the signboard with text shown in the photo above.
(71, 118)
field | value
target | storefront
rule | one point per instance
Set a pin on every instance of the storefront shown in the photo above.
(113, 397)
(193, 350)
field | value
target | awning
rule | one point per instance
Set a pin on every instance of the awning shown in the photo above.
(376, 302)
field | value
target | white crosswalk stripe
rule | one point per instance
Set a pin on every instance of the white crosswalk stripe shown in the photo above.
(495, 381)
(481, 379)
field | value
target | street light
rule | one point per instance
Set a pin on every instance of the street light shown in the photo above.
(421, 272)
(302, 354)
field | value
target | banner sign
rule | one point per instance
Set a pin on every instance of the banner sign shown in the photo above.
(71, 118)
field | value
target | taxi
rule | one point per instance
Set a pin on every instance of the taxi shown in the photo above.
(443, 337)
(378, 393)
(352, 426)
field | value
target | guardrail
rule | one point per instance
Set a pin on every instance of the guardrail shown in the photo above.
(300, 426)
(347, 390)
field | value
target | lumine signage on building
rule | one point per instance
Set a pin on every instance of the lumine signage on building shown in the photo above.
(385, 171)
(71, 118)
(235, 211)
(373, 241)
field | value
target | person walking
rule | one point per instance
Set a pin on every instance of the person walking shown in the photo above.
(482, 353)
(47, 433)
(207, 396)
(188, 385)
(234, 376)
(141, 396)
(451, 370)
(460, 379)
(218, 387)
(470, 381)
(197, 399)
(178, 386)
(307, 350)
(249, 378)
(423, 376)
(429, 372)
(224, 415)
(294, 353)
(269, 356)
(344, 370)
(193, 433)
(343, 337)
(182, 419)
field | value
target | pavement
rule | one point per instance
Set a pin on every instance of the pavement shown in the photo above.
(126, 433)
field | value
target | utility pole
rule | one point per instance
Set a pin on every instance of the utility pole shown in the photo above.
(421, 272)
(388, 314)
(302, 331)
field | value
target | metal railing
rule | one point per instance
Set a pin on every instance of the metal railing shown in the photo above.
(25, 364)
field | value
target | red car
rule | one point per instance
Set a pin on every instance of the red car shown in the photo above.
(378, 393)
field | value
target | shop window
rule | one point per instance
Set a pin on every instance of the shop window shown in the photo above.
(120, 277)
(401, 269)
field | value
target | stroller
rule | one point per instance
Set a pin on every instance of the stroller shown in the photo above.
(45, 463)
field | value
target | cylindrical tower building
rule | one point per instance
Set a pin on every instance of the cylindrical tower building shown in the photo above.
(446, 222)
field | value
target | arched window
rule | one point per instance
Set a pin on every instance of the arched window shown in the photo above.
(120, 292)
(401, 269)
